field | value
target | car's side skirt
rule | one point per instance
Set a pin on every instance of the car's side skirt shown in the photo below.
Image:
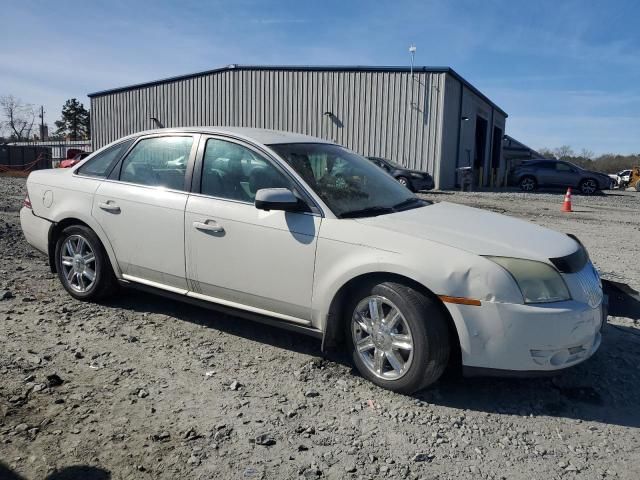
(230, 308)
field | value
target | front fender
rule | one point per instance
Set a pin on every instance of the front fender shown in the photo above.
(441, 269)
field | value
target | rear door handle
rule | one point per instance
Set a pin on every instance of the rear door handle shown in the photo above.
(208, 226)
(109, 207)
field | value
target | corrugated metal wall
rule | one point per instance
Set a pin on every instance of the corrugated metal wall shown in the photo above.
(386, 114)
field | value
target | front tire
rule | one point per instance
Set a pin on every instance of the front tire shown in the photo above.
(405, 182)
(398, 337)
(83, 266)
(588, 186)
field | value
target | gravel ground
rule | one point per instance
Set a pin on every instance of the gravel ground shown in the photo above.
(144, 387)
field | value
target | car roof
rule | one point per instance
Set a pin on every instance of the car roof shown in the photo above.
(260, 135)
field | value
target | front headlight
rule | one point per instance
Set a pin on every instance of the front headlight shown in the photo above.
(538, 282)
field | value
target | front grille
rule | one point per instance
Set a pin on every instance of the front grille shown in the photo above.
(589, 282)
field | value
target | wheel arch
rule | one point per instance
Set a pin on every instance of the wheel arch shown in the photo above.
(333, 334)
(58, 226)
(522, 176)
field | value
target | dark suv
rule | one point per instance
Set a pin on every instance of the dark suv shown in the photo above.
(414, 180)
(556, 173)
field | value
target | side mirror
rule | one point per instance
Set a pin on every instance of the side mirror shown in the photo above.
(278, 199)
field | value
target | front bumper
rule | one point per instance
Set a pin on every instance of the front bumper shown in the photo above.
(527, 338)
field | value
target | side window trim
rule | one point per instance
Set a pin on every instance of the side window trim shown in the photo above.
(196, 181)
(116, 171)
(116, 166)
(116, 162)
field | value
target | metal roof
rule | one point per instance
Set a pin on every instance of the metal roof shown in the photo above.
(514, 145)
(316, 68)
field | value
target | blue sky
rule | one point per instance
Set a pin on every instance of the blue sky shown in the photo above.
(567, 72)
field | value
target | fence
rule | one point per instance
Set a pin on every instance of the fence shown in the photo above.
(20, 160)
(59, 149)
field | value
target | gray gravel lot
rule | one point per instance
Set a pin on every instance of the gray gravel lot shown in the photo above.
(144, 387)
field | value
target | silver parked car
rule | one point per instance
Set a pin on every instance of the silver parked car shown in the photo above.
(305, 234)
(557, 173)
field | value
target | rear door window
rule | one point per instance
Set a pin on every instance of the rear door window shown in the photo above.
(563, 167)
(546, 165)
(158, 162)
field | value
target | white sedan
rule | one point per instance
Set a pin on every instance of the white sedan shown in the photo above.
(301, 232)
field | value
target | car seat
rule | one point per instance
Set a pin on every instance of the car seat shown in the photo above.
(212, 183)
(233, 178)
(302, 166)
(140, 173)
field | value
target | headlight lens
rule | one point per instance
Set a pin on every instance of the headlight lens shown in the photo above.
(537, 281)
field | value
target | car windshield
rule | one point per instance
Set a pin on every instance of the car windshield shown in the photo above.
(391, 163)
(349, 184)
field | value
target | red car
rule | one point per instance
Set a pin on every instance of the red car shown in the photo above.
(70, 162)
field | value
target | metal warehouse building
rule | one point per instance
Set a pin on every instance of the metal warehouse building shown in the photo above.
(428, 118)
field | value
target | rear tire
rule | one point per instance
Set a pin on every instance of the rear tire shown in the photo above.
(83, 266)
(407, 347)
(528, 183)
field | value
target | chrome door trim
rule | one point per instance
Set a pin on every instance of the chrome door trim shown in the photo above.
(227, 303)
(151, 283)
(248, 308)
(150, 187)
(241, 202)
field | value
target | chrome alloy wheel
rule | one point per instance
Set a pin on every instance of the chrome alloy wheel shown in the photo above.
(78, 263)
(528, 184)
(588, 187)
(382, 337)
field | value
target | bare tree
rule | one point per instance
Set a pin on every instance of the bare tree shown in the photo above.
(564, 151)
(587, 154)
(18, 117)
(546, 152)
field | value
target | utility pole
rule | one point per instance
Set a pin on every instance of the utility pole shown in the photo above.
(43, 133)
(412, 51)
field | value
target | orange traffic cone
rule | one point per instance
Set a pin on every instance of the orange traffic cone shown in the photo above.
(566, 205)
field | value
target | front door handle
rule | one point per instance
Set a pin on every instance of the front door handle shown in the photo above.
(109, 207)
(208, 226)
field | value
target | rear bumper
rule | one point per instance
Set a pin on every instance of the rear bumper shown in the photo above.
(35, 229)
(421, 184)
(527, 339)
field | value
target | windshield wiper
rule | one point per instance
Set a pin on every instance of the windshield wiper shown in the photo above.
(411, 202)
(367, 212)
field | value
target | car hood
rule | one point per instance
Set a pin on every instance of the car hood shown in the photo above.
(593, 172)
(476, 231)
